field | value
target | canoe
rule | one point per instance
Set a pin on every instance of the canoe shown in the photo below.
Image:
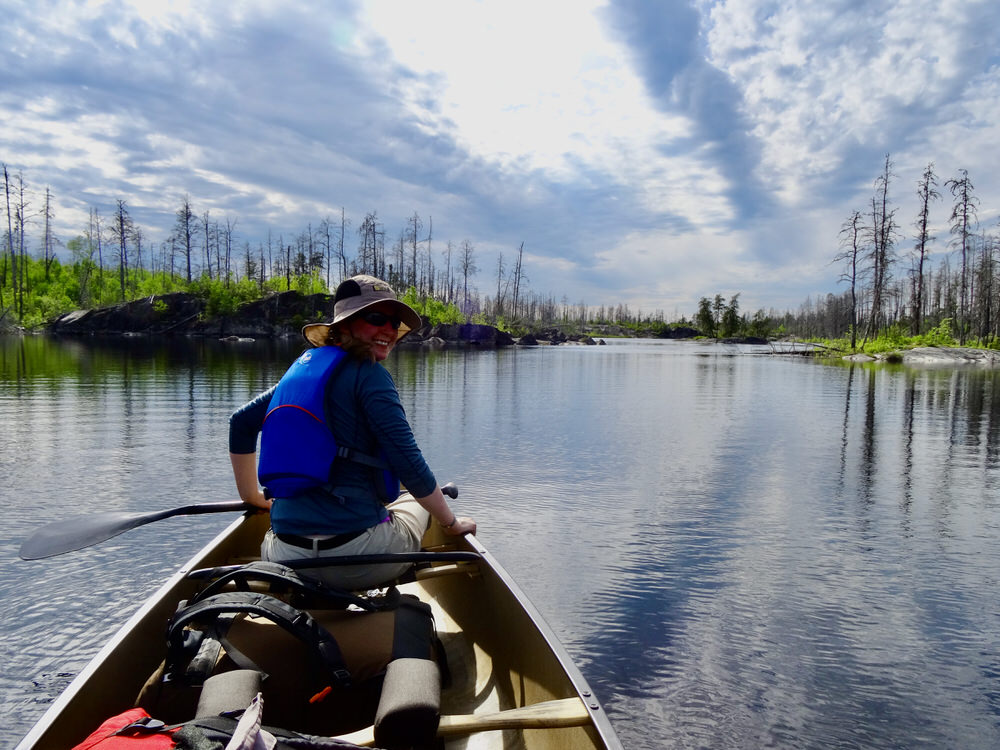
(507, 681)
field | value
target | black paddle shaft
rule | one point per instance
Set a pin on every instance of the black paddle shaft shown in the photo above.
(72, 534)
(83, 531)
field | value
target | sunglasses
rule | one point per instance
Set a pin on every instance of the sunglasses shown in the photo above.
(379, 319)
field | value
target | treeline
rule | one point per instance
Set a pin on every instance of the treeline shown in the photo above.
(896, 282)
(911, 282)
(112, 259)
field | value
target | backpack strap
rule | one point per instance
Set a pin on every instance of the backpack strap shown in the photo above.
(283, 578)
(218, 611)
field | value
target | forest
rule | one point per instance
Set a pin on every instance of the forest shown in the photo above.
(896, 285)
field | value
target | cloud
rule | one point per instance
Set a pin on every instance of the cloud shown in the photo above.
(667, 41)
(652, 152)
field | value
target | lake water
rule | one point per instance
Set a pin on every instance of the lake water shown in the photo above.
(739, 550)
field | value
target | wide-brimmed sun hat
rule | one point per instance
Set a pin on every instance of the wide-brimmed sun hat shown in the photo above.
(356, 294)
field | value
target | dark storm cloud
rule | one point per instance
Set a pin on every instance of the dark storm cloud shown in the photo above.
(666, 41)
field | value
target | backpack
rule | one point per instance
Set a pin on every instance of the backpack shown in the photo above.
(323, 670)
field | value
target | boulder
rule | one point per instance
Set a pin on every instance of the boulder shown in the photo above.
(932, 355)
(470, 335)
(155, 315)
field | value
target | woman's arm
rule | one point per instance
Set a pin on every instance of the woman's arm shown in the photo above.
(245, 472)
(438, 507)
(244, 427)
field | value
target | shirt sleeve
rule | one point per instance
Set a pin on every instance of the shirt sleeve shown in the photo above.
(387, 421)
(246, 423)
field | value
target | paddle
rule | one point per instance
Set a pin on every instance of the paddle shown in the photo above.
(564, 712)
(83, 531)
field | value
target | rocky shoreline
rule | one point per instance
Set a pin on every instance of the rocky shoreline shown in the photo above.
(279, 315)
(282, 315)
(934, 355)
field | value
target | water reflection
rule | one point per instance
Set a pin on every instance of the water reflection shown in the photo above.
(739, 551)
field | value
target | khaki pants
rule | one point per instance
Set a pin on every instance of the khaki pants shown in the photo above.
(401, 533)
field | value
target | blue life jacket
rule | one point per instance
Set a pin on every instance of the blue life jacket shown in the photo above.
(298, 451)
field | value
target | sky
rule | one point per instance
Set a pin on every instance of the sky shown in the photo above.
(645, 152)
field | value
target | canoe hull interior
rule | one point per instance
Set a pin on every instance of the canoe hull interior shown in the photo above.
(504, 666)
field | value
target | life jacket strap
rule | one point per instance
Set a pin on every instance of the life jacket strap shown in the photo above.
(360, 458)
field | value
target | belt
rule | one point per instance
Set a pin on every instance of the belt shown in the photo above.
(310, 543)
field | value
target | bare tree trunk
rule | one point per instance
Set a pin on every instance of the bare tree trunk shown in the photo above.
(340, 245)
(926, 191)
(414, 236)
(208, 244)
(48, 241)
(468, 265)
(883, 233)
(20, 226)
(851, 239)
(10, 239)
(430, 257)
(498, 302)
(122, 229)
(449, 296)
(517, 280)
(963, 219)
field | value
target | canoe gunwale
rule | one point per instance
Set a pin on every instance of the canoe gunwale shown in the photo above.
(599, 717)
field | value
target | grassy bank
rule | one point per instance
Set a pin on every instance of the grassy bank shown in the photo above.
(896, 340)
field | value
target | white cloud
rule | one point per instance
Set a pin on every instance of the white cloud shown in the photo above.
(540, 86)
(820, 78)
(623, 158)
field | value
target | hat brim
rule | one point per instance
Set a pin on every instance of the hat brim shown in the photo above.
(316, 333)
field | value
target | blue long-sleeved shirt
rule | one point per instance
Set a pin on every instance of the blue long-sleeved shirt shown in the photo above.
(364, 413)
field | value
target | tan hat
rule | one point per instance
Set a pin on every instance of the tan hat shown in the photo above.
(354, 295)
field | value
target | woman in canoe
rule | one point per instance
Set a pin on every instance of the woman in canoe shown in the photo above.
(336, 445)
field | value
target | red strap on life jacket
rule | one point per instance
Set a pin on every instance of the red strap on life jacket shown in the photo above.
(107, 737)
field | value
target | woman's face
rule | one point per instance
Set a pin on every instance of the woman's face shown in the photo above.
(381, 338)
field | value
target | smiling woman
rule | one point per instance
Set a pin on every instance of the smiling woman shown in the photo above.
(335, 445)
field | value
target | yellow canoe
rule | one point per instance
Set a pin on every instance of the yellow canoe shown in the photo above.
(510, 682)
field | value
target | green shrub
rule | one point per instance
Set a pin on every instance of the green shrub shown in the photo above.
(941, 335)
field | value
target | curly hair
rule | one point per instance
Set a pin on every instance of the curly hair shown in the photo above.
(339, 335)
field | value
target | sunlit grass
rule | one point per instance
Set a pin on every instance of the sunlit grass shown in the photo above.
(894, 339)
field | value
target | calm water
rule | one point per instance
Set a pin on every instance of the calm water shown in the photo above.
(739, 551)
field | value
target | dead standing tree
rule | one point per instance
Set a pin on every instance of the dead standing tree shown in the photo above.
(467, 263)
(121, 231)
(926, 192)
(10, 238)
(518, 278)
(49, 241)
(883, 233)
(413, 227)
(371, 253)
(963, 223)
(184, 232)
(851, 255)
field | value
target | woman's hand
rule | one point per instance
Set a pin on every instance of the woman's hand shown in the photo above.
(436, 504)
(461, 525)
(259, 500)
